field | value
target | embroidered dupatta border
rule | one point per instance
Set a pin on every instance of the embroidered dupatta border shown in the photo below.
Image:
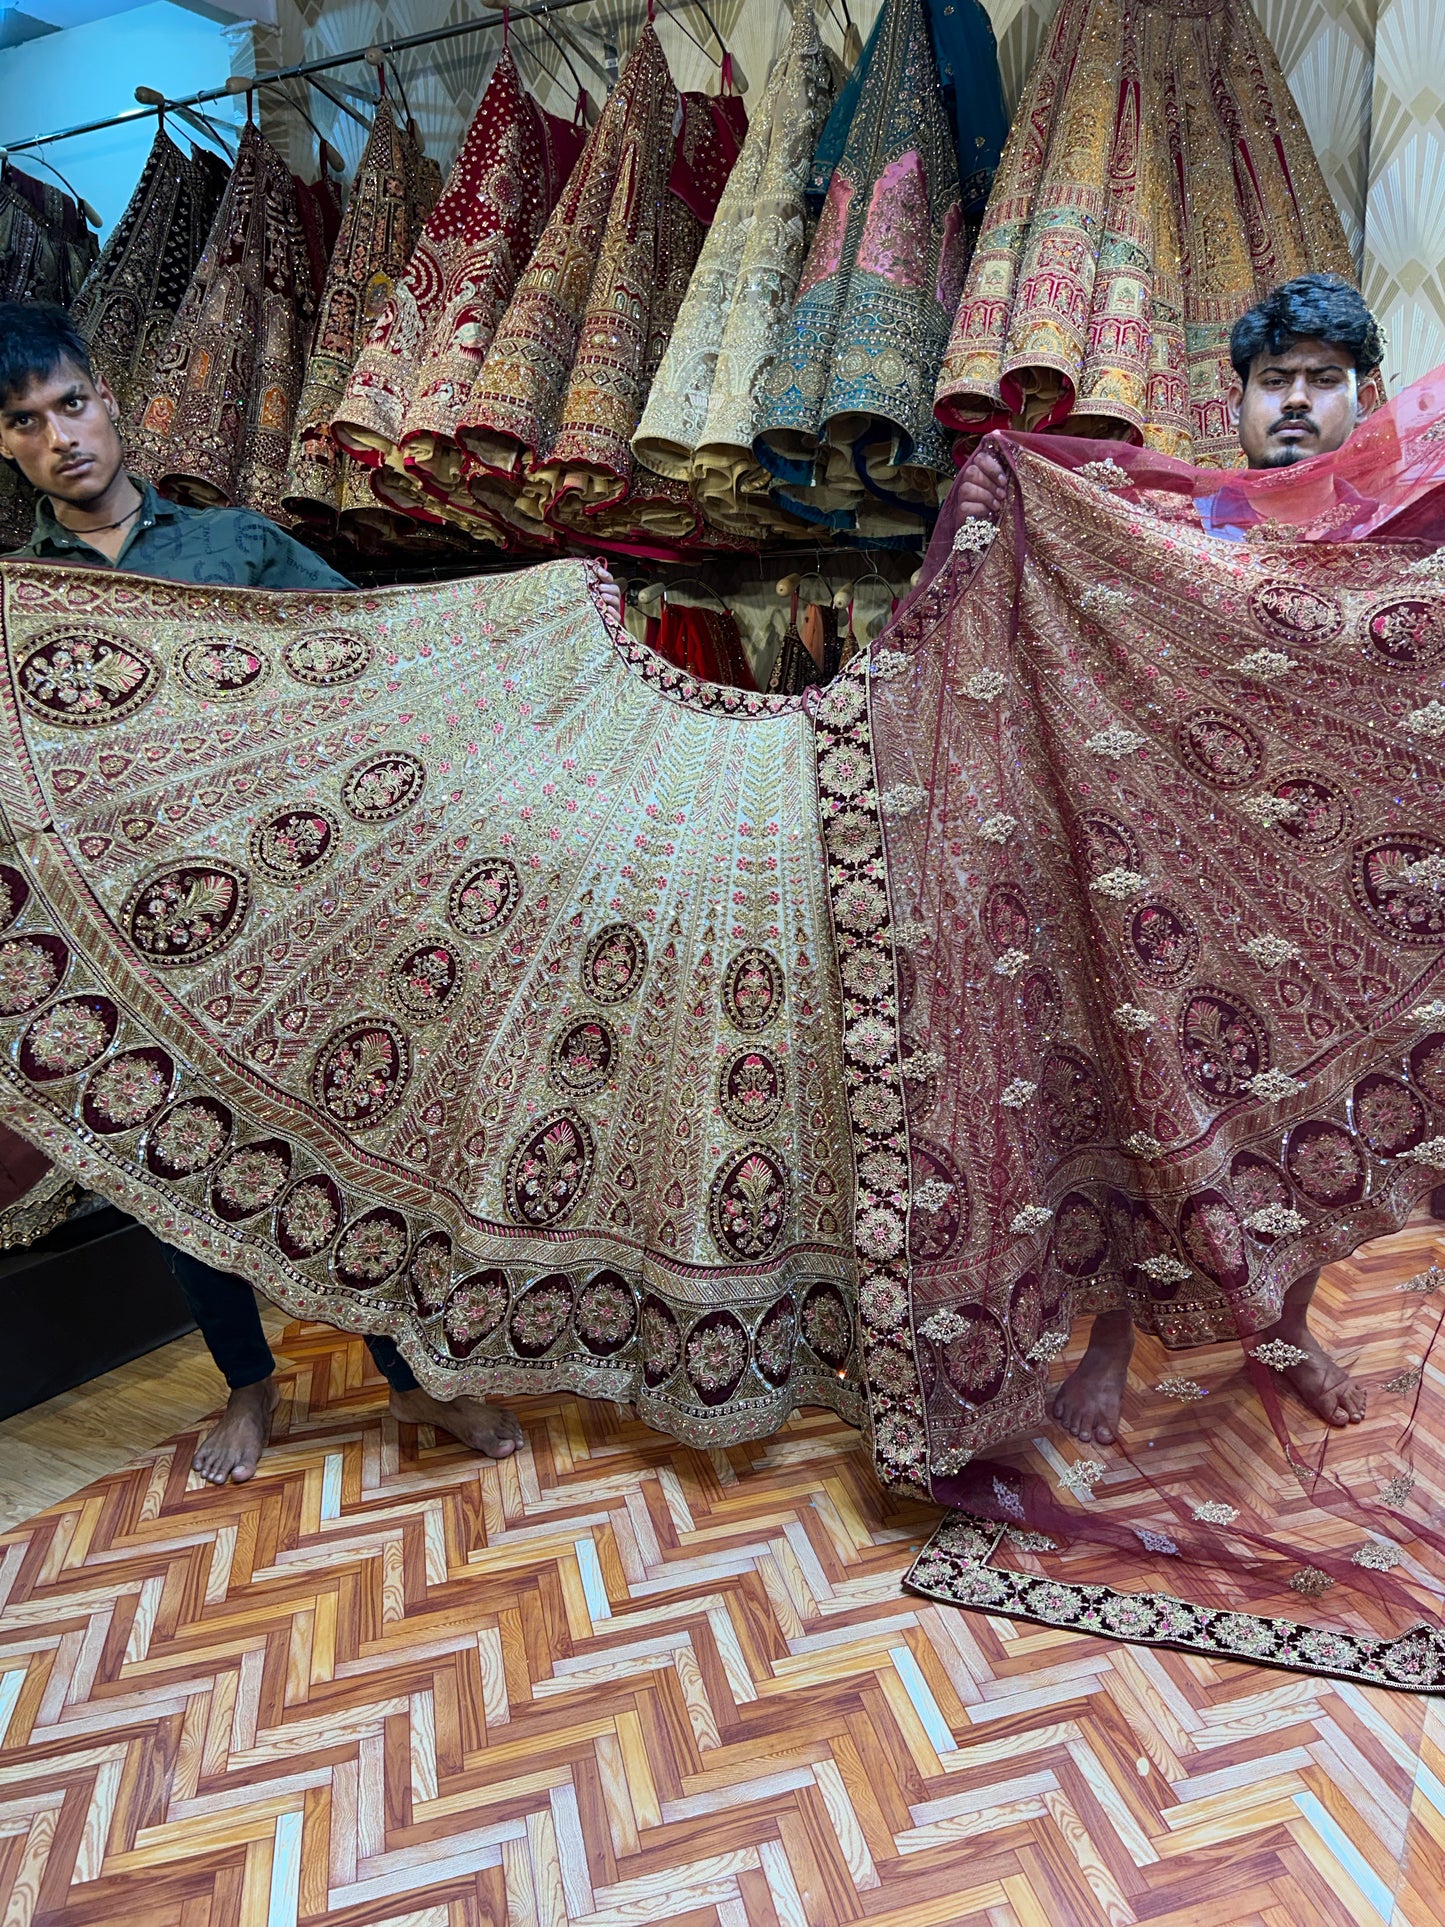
(955, 1568)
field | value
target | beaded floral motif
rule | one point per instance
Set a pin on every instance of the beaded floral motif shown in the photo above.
(549, 1170)
(360, 1074)
(998, 828)
(251, 1178)
(129, 1089)
(1188, 1390)
(309, 1216)
(187, 912)
(1132, 1017)
(1274, 1084)
(973, 535)
(1032, 1218)
(1143, 1144)
(190, 1137)
(1269, 952)
(68, 1037)
(1279, 1354)
(1119, 883)
(1311, 1582)
(1266, 664)
(985, 684)
(221, 669)
(1081, 1476)
(1429, 721)
(1017, 1093)
(1278, 1220)
(373, 1249)
(1116, 741)
(79, 679)
(485, 897)
(383, 787)
(327, 657)
(30, 970)
(293, 842)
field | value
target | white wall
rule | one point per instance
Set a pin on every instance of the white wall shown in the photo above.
(86, 72)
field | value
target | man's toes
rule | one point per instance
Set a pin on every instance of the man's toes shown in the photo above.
(1103, 1434)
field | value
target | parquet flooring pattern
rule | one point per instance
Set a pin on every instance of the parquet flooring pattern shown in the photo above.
(615, 1681)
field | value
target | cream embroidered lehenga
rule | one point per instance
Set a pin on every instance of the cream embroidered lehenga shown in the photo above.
(452, 967)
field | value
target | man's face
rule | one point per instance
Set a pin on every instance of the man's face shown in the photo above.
(61, 433)
(1303, 401)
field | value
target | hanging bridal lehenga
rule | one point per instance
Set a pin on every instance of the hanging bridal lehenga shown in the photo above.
(215, 428)
(412, 380)
(383, 219)
(1158, 182)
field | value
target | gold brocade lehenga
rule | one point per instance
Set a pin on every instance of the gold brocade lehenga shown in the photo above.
(454, 968)
(384, 214)
(1158, 181)
(704, 402)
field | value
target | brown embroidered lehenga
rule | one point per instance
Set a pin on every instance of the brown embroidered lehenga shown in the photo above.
(453, 967)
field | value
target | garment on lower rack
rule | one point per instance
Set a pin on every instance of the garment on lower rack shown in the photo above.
(1157, 183)
(216, 427)
(697, 426)
(414, 375)
(846, 428)
(127, 308)
(383, 218)
(705, 642)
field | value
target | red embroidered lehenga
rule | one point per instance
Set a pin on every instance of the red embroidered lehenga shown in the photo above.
(584, 1025)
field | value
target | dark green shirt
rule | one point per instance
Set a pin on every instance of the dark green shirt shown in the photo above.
(235, 547)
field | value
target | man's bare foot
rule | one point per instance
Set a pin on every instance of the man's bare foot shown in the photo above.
(485, 1428)
(1089, 1400)
(1325, 1386)
(230, 1450)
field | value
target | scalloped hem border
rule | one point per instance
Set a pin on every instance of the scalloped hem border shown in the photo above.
(955, 1575)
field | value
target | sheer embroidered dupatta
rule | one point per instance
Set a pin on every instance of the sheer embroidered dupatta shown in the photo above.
(1163, 857)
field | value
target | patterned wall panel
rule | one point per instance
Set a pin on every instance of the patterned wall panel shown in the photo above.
(1404, 265)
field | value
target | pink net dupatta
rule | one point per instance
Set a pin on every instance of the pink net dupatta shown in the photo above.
(1163, 1029)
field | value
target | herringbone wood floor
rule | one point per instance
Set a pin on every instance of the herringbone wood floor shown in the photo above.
(618, 1681)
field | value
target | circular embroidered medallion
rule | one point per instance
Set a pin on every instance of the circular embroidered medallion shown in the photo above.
(429, 1275)
(474, 1310)
(750, 1089)
(749, 1201)
(80, 679)
(221, 668)
(1165, 942)
(1427, 1065)
(1220, 748)
(250, 1179)
(1388, 898)
(1254, 1183)
(1006, 924)
(70, 1036)
(606, 1313)
(1388, 1115)
(14, 895)
(752, 989)
(614, 962)
(1211, 1232)
(383, 787)
(715, 1356)
(1408, 634)
(1222, 1043)
(484, 898)
(659, 1340)
(309, 1218)
(1298, 615)
(1026, 1313)
(292, 842)
(421, 983)
(549, 1170)
(975, 1360)
(189, 1138)
(127, 1091)
(360, 1073)
(372, 1249)
(30, 972)
(1071, 1102)
(938, 1203)
(1108, 843)
(327, 657)
(775, 1340)
(186, 912)
(1079, 1240)
(1326, 1163)
(540, 1315)
(582, 1057)
(1320, 812)
(827, 1324)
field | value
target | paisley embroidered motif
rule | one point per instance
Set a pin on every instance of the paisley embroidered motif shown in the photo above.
(81, 678)
(187, 912)
(360, 1073)
(549, 1170)
(752, 989)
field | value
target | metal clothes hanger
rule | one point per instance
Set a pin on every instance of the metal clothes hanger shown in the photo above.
(88, 212)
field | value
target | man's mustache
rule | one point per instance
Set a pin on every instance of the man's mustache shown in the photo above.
(1294, 421)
